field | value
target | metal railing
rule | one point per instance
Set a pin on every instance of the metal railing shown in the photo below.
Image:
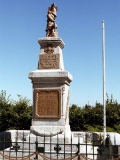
(89, 146)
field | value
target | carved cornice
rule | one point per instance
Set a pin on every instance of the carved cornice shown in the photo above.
(51, 40)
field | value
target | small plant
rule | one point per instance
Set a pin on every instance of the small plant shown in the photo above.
(16, 145)
(88, 138)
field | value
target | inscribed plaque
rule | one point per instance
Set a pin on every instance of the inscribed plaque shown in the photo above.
(47, 103)
(49, 61)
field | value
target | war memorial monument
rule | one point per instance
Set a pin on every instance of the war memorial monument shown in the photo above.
(50, 136)
(51, 84)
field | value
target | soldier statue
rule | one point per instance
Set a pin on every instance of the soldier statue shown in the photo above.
(51, 29)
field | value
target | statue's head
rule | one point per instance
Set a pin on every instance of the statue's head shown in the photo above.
(53, 9)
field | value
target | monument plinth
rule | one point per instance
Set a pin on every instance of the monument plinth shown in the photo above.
(51, 53)
(50, 86)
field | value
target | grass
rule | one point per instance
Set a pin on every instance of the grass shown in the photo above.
(98, 128)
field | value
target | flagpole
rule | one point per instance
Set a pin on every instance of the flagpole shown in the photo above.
(104, 85)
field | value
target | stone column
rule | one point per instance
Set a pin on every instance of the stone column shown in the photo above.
(50, 89)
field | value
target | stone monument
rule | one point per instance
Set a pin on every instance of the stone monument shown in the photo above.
(50, 84)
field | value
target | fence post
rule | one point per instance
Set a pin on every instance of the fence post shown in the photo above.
(78, 146)
(78, 150)
(36, 143)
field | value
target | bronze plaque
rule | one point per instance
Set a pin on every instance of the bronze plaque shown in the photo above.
(49, 61)
(47, 103)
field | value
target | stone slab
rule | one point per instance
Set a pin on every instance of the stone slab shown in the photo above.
(55, 41)
(52, 129)
(50, 75)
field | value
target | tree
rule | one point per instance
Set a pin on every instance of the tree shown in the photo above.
(14, 114)
(5, 106)
(90, 118)
(76, 115)
(22, 110)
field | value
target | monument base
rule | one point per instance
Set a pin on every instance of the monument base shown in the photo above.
(50, 131)
(50, 101)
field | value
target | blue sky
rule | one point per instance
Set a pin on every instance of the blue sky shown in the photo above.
(79, 22)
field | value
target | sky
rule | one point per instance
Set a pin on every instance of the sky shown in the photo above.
(23, 22)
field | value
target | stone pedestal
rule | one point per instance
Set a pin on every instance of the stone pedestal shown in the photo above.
(50, 89)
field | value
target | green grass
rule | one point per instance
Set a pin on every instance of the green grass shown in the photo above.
(98, 128)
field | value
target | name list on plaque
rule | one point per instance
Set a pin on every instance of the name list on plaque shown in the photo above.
(47, 103)
(49, 61)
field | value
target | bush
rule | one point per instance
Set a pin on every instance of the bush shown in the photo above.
(14, 114)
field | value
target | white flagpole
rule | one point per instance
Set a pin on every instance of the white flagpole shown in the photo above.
(104, 85)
